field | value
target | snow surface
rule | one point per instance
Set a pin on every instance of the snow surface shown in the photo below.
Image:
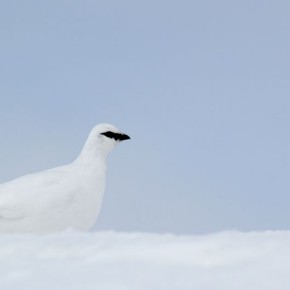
(137, 261)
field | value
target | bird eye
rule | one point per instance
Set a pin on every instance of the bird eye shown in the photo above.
(116, 136)
(109, 134)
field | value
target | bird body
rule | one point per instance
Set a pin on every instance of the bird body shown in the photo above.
(68, 196)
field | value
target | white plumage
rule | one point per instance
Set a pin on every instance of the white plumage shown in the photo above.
(64, 197)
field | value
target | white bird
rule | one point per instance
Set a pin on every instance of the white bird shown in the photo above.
(64, 197)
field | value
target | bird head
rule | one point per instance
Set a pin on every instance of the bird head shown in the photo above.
(104, 137)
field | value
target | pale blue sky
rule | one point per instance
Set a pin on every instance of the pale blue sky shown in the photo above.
(202, 87)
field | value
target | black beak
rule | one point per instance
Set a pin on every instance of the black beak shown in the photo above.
(122, 137)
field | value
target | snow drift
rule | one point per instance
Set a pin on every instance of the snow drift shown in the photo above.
(136, 261)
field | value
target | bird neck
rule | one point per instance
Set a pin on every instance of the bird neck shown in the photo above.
(92, 155)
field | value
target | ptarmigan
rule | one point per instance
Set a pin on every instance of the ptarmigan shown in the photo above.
(64, 197)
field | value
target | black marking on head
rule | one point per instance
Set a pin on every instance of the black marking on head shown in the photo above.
(116, 136)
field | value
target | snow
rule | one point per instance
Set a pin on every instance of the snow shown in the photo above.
(138, 261)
